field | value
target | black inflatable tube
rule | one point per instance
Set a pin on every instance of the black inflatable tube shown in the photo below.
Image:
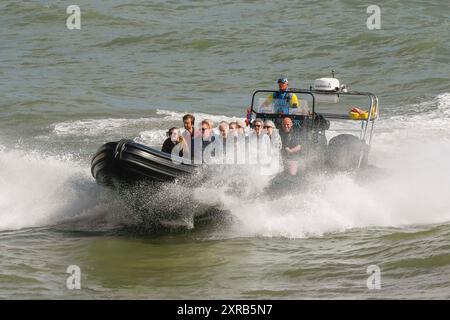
(128, 161)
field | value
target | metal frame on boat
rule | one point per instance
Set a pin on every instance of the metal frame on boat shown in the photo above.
(367, 124)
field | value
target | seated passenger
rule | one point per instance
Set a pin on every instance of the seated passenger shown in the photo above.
(275, 142)
(207, 133)
(232, 128)
(282, 100)
(269, 126)
(259, 144)
(174, 138)
(240, 127)
(257, 127)
(190, 133)
(223, 139)
(223, 129)
(290, 141)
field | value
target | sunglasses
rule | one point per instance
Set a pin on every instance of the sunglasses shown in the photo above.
(266, 127)
(257, 125)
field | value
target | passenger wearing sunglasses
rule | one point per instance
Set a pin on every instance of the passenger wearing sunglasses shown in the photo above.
(207, 132)
(259, 143)
(258, 127)
(269, 126)
(208, 139)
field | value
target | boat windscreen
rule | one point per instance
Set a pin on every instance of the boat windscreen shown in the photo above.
(340, 104)
(287, 103)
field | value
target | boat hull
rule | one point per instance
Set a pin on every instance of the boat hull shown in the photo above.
(128, 162)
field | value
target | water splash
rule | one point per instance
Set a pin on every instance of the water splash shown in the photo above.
(37, 190)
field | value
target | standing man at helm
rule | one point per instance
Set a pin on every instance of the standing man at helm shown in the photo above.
(282, 99)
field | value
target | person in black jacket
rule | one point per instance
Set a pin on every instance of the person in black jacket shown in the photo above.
(291, 147)
(173, 138)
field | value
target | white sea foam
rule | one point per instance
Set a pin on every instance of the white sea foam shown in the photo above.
(95, 127)
(177, 116)
(151, 137)
(38, 190)
(414, 190)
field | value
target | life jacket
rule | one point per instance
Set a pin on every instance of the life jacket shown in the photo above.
(282, 101)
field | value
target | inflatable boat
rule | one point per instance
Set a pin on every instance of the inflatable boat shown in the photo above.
(126, 161)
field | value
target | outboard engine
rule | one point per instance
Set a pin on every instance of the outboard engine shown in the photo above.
(344, 152)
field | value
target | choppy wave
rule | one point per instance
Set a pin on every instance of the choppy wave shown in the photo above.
(177, 116)
(99, 126)
(149, 131)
